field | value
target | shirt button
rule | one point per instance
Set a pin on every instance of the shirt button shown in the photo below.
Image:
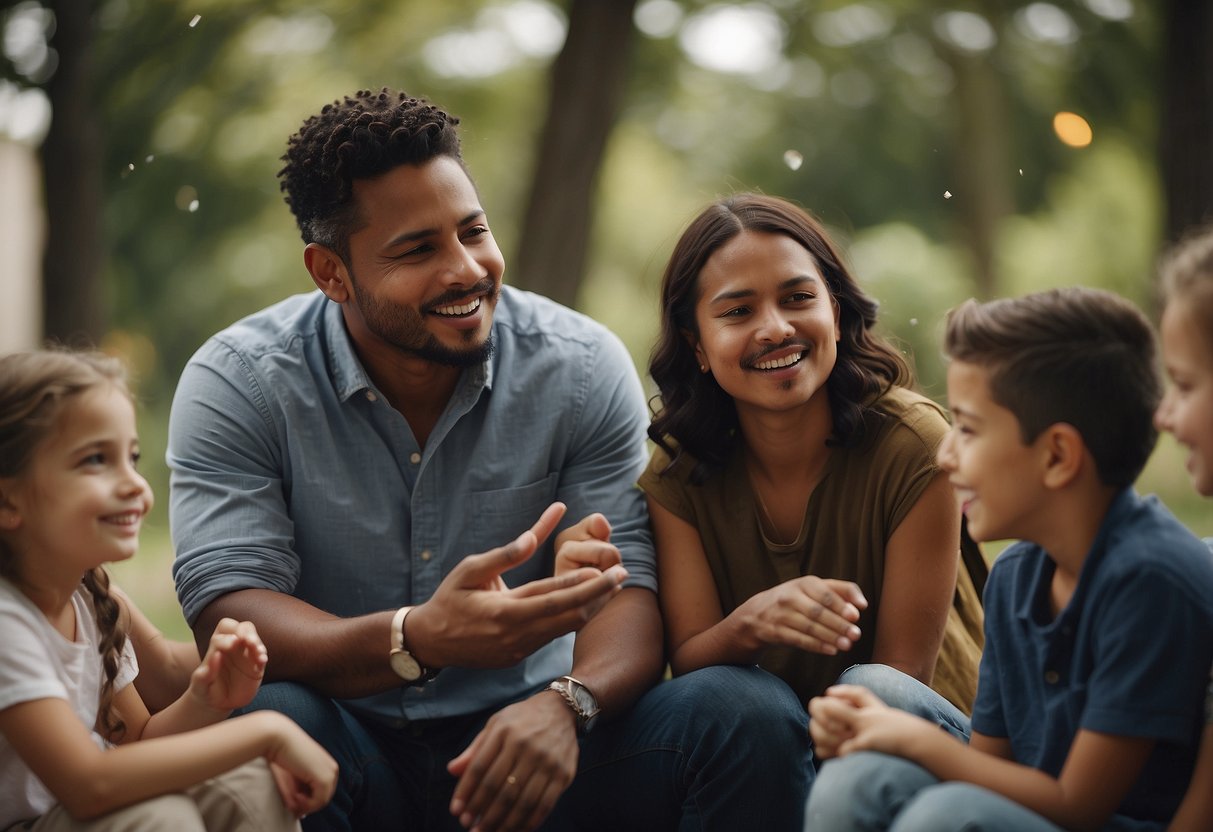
(414, 457)
(1052, 677)
(426, 554)
(370, 396)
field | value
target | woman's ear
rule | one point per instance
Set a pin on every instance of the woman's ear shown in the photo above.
(700, 357)
(10, 515)
(328, 271)
(1064, 453)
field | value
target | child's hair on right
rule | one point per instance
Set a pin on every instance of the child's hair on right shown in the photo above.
(1085, 357)
(35, 389)
(1185, 275)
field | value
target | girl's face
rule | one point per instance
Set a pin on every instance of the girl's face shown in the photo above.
(80, 502)
(1186, 410)
(768, 326)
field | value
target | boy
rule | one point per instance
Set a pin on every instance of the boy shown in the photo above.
(1099, 624)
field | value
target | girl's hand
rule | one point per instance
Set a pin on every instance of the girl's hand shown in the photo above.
(230, 674)
(849, 718)
(306, 775)
(813, 614)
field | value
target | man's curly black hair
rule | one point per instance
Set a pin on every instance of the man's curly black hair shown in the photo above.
(360, 137)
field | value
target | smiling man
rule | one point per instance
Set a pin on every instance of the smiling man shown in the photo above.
(373, 473)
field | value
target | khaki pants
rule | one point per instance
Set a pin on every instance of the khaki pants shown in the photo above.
(243, 800)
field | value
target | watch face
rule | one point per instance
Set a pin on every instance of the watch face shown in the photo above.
(585, 701)
(405, 666)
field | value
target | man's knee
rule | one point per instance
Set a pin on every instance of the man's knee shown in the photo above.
(905, 693)
(862, 789)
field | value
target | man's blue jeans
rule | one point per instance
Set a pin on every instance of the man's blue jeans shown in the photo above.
(723, 748)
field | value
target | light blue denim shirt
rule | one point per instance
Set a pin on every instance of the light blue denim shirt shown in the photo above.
(291, 472)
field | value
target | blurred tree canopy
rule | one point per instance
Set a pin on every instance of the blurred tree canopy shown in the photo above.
(925, 135)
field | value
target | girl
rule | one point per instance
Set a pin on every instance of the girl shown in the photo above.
(1186, 412)
(78, 749)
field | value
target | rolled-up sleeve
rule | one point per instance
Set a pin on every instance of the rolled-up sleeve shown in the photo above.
(230, 524)
(609, 454)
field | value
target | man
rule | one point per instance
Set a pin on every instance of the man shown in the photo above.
(336, 458)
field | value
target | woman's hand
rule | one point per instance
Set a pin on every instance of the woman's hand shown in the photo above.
(818, 615)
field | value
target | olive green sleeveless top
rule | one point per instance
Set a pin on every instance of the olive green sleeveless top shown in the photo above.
(865, 492)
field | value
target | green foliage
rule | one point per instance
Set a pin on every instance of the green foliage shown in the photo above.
(202, 113)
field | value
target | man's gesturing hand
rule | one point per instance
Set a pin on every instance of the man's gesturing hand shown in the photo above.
(469, 624)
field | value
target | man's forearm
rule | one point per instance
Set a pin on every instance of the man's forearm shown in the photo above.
(339, 657)
(618, 655)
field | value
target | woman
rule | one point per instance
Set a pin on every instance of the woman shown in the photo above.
(801, 521)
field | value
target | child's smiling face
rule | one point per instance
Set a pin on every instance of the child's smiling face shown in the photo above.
(81, 501)
(1187, 408)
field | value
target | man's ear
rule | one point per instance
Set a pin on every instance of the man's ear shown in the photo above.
(1064, 453)
(328, 271)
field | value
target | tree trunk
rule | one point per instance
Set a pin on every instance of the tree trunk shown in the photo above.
(1185, 142)
(982, 192)
(74, 306)
(587, 82)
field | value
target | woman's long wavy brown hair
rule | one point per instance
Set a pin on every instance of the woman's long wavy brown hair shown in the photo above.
(35, 390)
(695, 411)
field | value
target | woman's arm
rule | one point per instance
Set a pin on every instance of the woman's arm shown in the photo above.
(809, 613)
(52, 741)
(919, 581)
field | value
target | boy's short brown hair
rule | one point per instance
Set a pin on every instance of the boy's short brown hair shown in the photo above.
(1086, 357)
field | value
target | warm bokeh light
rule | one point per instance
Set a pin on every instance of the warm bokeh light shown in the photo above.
(1072, 129)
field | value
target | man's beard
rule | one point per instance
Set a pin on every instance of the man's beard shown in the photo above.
(404, 328)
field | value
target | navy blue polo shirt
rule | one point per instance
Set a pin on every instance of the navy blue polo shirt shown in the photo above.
(1128, 656)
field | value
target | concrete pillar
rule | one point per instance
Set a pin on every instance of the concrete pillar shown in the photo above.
(22, 232)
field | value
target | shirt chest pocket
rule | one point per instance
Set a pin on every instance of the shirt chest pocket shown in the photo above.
(499, 515)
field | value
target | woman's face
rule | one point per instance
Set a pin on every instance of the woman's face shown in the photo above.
(768, 326)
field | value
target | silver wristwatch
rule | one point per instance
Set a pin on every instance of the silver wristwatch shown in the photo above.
(580, 699)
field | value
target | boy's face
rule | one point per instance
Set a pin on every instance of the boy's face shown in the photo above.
(1187, 409)
(992, 471)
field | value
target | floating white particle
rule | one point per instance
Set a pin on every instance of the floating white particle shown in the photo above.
(947, 194)
(130, 165)
(913, 322)
(194, 21)
(193, 205)
(149, 159)
(793, 159)
(1021, 171)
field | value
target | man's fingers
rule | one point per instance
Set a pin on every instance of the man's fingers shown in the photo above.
(547, 521)
(480, 570)
(550, 597)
